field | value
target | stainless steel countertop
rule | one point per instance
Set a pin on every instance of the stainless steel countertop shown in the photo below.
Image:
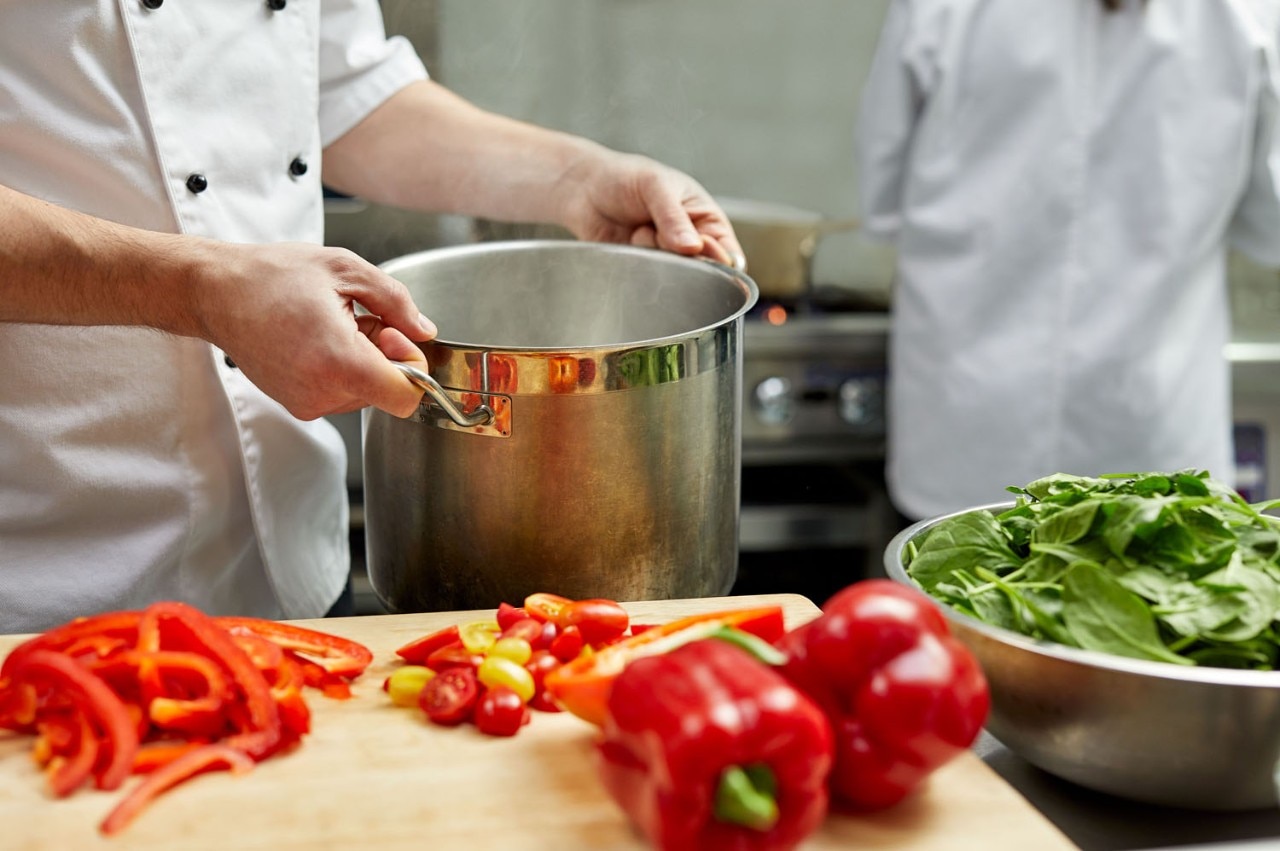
(1098, 822)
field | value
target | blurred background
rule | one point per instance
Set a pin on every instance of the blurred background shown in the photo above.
(758, 100)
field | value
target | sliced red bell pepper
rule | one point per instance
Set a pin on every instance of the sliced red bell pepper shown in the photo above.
(171, 774)
(260, 730)
(706, 747)
(80, 632)
(902, 695)
(582, 685)
(50, 672)
(335, 654)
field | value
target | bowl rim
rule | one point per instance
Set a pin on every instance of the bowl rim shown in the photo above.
(1089, 658)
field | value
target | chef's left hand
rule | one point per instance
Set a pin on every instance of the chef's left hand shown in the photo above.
(627, 198)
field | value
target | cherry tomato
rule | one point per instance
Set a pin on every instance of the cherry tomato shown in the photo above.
(500, 712)
(509, 614)
(568, 644)
(417, 651)
(406, 683)
(601, 621)
(541, 663)
(547, 607)
(543, 702)
(499, 672)
(449, 698)
(453, 656)
(528, 629)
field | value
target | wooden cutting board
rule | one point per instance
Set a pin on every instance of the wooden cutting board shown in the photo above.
(373, 775)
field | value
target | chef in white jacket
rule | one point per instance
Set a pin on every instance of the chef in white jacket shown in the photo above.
(171, 327)
(1062, 181)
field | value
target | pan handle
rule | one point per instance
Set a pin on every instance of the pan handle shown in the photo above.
(481, 415)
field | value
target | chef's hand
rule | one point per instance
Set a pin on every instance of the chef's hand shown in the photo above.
(627, 198)
(285, 314)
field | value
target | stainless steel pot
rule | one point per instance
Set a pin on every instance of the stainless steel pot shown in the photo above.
(779, 242)
(584, 435)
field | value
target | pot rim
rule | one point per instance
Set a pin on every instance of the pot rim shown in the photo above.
(750, 290)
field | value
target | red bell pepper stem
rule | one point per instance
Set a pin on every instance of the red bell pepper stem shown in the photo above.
(335, 654)
(93, 698)
(747, 797)
(169, 775)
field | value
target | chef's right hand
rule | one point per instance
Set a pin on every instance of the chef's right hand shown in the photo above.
(285, 314)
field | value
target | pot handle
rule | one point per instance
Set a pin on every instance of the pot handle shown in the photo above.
(481, 415)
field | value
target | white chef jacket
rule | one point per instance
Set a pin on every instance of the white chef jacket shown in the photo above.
(1062, 184)
(135, 465)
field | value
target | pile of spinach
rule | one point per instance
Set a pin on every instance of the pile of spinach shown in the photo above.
(1174, 567)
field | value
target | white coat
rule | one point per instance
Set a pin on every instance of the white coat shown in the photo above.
(1062, 184)
(134, 465)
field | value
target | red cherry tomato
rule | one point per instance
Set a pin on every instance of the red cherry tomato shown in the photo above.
(530, 630)
(417, 651)
(601, 621)
(500, 712)
(449, 698)
(509, 614)
(453, 656)
(568, 644)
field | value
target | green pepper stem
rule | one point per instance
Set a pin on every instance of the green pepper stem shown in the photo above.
(762, 650)
(746, 797)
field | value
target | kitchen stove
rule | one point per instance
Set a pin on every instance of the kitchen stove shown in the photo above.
(815, 514)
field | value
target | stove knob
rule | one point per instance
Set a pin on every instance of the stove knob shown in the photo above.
(773, 401)
(861, 402)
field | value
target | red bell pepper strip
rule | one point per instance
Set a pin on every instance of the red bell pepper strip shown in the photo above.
(72, 760)
(902, 695)
(706, 747)
(335, 654)
(582, 685)
(50, 672)
(169, 775)
(82, 631)
(260, 732)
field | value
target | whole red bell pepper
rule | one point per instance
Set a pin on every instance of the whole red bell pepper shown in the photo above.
(706, 747)
(902, 695)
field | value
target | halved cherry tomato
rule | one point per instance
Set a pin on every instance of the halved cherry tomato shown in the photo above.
(601, 621)
(547, 607)
(417, 651)
(582, 684)
(500, 712)
(450, 697)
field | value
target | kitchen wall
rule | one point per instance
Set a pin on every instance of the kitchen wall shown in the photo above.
(755, 98)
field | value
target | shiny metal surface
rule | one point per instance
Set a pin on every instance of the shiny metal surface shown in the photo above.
(480, 415)
(1194, 737)
(619, 474)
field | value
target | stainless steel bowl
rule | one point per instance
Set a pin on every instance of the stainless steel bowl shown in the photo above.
(1201, 738)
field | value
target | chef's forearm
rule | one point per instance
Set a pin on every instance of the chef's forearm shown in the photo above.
(61, 267)
(426, 148)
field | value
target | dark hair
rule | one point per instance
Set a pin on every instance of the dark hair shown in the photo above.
(1115, 5)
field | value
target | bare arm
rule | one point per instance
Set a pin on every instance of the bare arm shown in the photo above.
(426, 148)
(284, 313)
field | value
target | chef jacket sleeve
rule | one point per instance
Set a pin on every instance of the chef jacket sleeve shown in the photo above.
(1255, 227)
(359, 66)
(901, 72)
